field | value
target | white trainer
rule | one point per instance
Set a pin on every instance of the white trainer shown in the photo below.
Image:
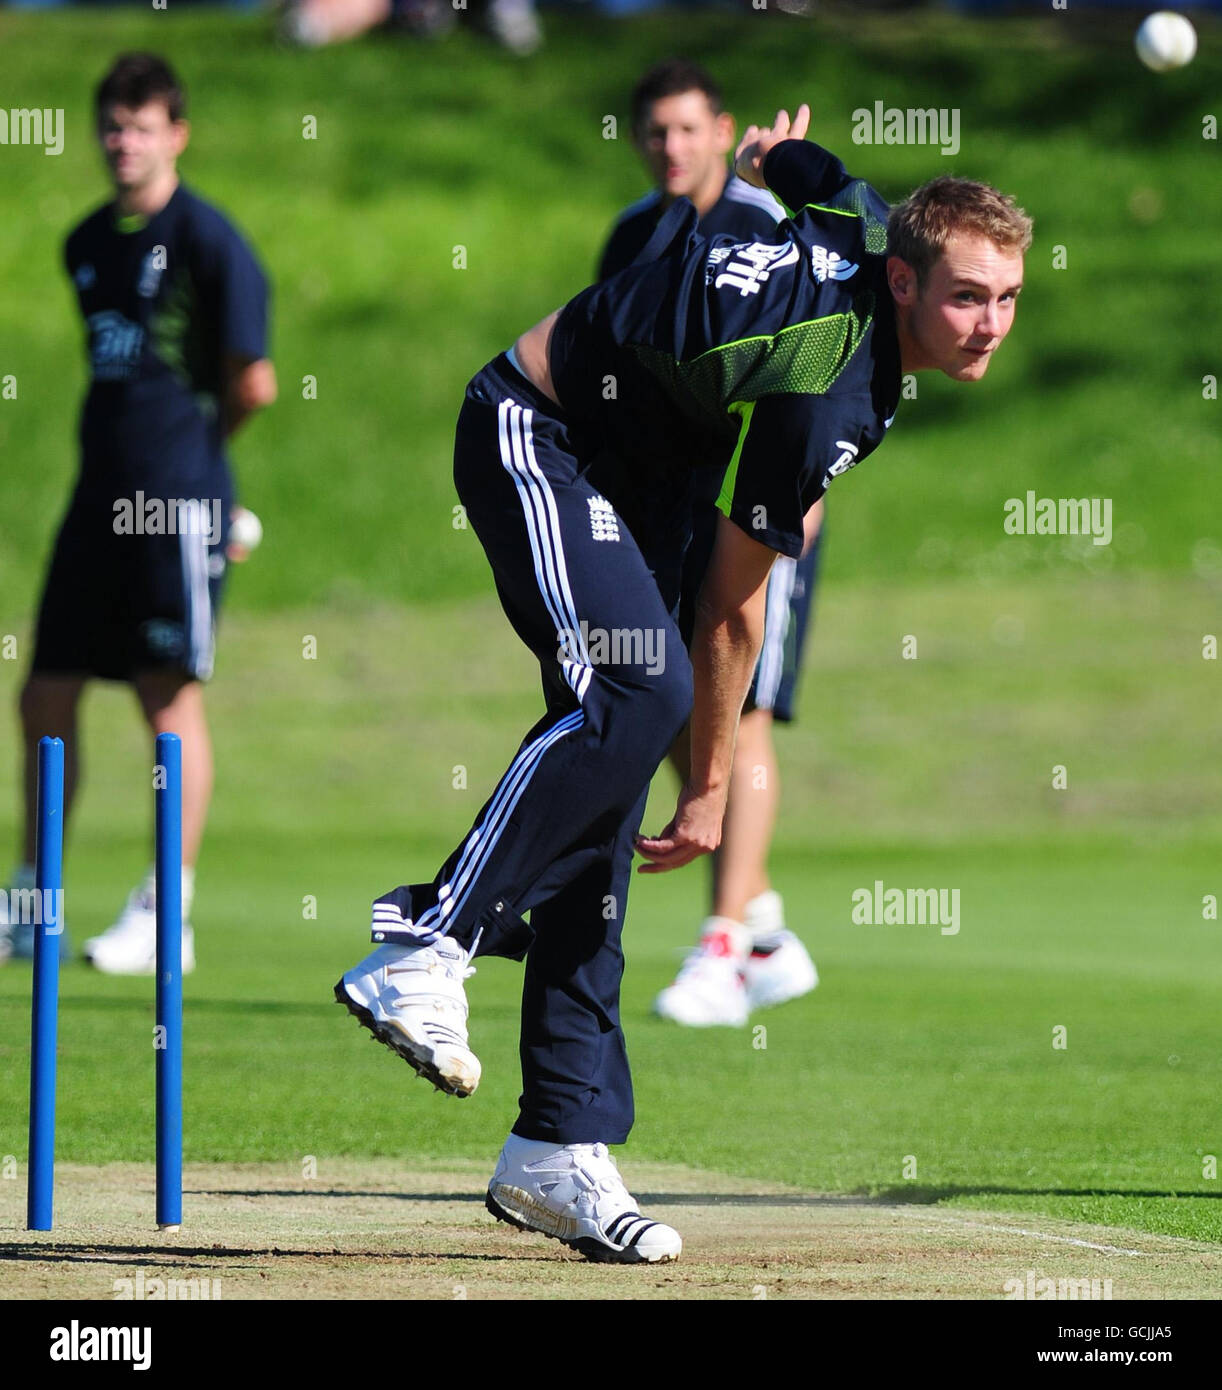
(129, 946)
(575, 1195)
(411, 998)
(708, 990)
(775, 973)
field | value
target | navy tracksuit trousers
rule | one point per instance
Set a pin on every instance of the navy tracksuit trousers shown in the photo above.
(555, 839)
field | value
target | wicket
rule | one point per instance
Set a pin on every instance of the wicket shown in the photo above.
(49, 863)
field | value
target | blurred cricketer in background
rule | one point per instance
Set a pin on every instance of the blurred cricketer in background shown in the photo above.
(777, 363)
(745, 957)
(175, 311)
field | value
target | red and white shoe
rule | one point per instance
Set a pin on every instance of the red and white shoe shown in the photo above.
(774, 974)
(709, 990)
(779, 967)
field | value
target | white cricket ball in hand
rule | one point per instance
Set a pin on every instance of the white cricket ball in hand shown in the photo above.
(245, 528)
(1166, 40)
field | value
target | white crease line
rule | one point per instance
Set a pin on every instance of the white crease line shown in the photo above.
(1037, 1235)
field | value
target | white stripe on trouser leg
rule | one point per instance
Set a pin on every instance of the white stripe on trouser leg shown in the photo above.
(539, 505)
(776, 627)
(516, 443)
(206, 629)
(483, 839)
(508, 418)
(197, 600)
(553, 521)
(188, 602)
(546, 543)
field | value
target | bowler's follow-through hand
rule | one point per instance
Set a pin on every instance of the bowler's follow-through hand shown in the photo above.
(758, 140)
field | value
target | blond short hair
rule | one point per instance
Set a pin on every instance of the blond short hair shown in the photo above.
(919, 228)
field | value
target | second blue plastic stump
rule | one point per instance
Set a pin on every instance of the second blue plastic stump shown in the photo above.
(168, 799)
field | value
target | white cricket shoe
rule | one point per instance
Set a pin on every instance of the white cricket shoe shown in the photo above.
(778, 972)
(708, 990)
(412, 999)
(575, 1195)
(129, 947)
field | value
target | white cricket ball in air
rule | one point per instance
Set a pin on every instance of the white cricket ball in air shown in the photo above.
(1166, 40)
(245, 528)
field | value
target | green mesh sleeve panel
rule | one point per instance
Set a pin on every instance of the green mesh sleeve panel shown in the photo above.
(803, 357)
(854, 199)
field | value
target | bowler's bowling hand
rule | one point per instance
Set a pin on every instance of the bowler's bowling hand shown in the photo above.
(758, 140)
(695, 830)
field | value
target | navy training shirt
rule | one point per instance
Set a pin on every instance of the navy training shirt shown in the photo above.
(163, 299)
(775, 360)
(742, 211)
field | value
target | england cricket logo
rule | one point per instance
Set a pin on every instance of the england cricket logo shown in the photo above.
(604, 524)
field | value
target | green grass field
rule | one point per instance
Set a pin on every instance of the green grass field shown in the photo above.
(1082, 908)
(1079, 909)
(422, 149)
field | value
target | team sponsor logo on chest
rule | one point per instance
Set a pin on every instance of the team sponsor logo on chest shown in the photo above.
(114, 345)
(748, 265)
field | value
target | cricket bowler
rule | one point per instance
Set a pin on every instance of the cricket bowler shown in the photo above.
(745, 958)
(778, 361)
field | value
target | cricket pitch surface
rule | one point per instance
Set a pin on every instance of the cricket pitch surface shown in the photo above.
(378, 1230)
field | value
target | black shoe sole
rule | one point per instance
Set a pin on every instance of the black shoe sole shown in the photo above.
(593, 1250)
(397, 1044)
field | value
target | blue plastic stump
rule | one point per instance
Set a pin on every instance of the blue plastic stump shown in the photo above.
(168, 798)
(48, 882)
